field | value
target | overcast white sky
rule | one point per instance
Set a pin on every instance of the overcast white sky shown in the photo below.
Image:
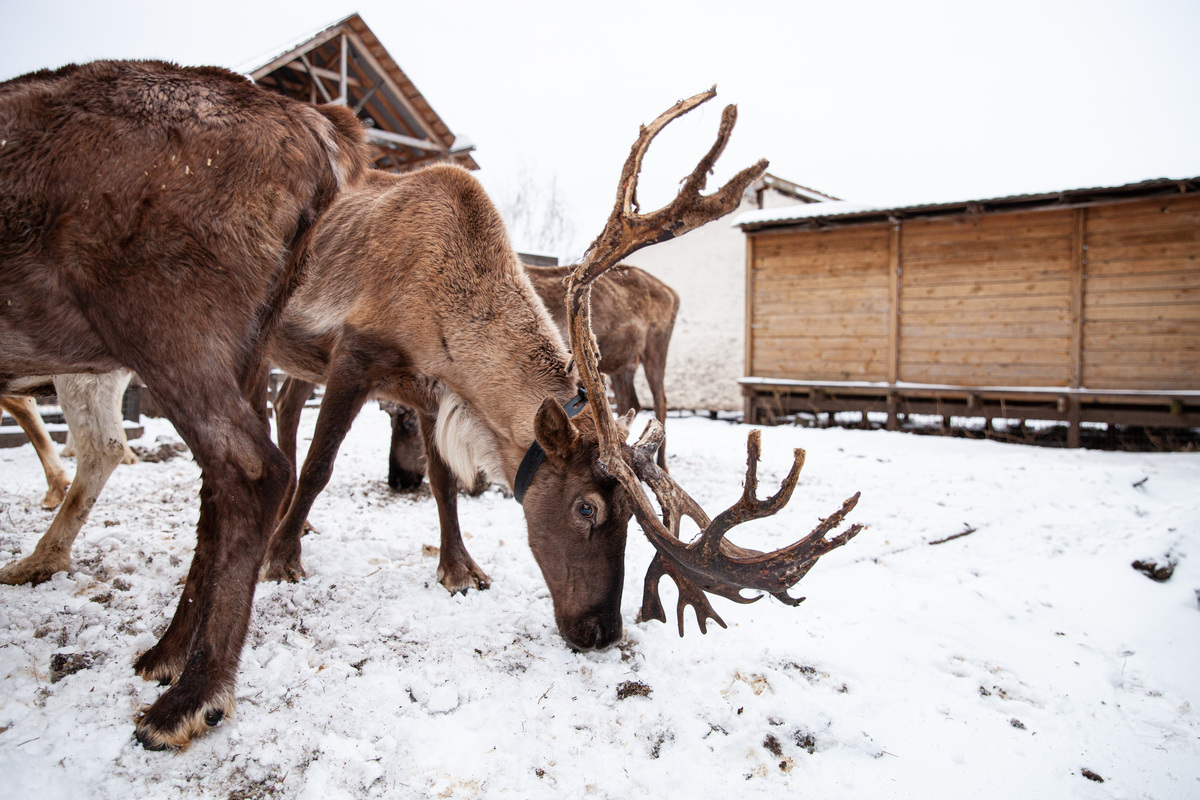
(889, 102)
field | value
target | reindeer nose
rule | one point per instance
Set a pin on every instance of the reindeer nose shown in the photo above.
(594, 633)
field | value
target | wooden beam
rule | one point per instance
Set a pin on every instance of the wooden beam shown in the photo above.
(290, 55)
(363, 51)
(748, 411)
(388, 138)
(328, 74)
(895, 268)
(344, 94)
(366, 98)
(1078, 270)
(315, 79)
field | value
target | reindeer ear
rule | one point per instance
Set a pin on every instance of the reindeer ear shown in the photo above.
(623, 423)
(556, 434)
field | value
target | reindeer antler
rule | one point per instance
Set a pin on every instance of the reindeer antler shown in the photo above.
(709, 564)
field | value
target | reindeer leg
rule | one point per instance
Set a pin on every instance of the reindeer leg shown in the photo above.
(406, 467)
(457, 571)
(24, 411)
(624, 395)
(656, 368)
(88, 406)
(345, 393)
(289, 402)
(245, 477)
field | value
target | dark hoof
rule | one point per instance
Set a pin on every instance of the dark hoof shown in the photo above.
(156, 747)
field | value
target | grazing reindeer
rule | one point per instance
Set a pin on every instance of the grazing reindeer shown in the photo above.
(149, 218)
(24, 411)
(633, 314)
(91, 405)
(415, 295)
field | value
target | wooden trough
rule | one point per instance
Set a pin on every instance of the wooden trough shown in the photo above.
(1080, 306)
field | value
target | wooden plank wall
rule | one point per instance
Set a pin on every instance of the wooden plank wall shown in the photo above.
(818, 304)
(986, 300)
(1141, 317)
(1100, 297)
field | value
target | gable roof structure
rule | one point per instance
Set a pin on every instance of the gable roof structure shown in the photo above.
(346, 63)
(787, 188)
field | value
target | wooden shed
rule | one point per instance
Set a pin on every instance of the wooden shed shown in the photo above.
(346, 63)
(1081, 305)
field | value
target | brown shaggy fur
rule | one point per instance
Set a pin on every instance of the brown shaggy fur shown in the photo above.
(149, 215)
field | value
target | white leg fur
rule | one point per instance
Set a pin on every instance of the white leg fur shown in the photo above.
(129, 456)
(87, 403)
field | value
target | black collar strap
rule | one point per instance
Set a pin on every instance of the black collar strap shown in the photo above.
(535, 453)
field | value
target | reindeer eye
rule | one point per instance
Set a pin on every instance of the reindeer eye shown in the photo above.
(587, 510)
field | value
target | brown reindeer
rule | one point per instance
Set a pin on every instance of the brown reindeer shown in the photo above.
(414, 295)
(633, 314)
(149, 217)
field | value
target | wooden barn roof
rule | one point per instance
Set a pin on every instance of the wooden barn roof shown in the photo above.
(825, 215)
(346, 63)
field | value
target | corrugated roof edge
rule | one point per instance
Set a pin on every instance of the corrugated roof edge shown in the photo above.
(848, 213)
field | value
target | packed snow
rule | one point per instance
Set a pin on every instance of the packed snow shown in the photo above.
(1024, 659)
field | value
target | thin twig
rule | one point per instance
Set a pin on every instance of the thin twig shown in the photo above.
(958, 535)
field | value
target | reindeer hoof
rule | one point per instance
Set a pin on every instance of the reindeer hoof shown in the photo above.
(461, 580)
(180, 716)
(54, 497)
(149, 743)
(32, 573)
(282, 573)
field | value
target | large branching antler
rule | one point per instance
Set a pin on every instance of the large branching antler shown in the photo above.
(710, 564)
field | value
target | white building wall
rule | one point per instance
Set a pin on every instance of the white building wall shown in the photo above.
(707, 267)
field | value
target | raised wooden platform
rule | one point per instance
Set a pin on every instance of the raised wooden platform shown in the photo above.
(13, 436)
(767, 399)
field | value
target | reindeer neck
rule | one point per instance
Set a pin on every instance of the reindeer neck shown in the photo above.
(507, 398)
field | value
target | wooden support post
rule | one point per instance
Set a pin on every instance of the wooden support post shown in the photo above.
(1078, 273)
(893, 405)
(1073, 420)
(894, 275)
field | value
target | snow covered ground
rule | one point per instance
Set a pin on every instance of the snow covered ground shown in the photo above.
(1013, 662)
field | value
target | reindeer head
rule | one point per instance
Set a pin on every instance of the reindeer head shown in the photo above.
(577, 517)
(600, 474)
